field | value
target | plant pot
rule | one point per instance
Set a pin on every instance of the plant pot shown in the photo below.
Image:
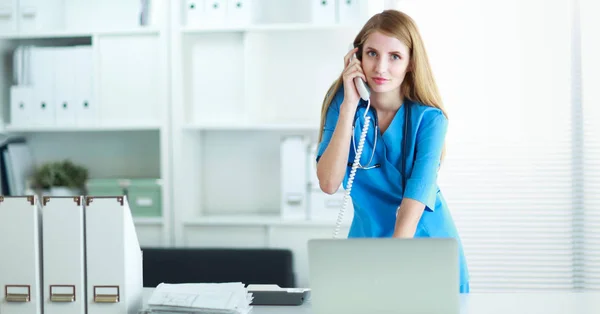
(63, 191)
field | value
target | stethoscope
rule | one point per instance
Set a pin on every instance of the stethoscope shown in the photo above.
(376, 124)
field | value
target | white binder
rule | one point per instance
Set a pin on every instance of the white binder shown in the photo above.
(8, 16)
(294, 181)
(43, 80)
(322, 206)
(85, 106)
(63, 258)
(40, 15)
(20, 265)
(239, 12)
(352, 12)
(64, 86)
(215, 12)
(194, 12)
(323, 12)
(21, 104)
(113, 257)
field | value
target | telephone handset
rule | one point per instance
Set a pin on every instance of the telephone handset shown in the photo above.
(361, 86)
(364, 93)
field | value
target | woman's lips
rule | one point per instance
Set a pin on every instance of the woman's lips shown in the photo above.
(379, 80)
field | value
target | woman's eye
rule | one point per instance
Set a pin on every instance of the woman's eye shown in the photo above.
(371, 54)
(396, 57)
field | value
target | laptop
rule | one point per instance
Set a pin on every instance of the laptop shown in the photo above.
(384, 275)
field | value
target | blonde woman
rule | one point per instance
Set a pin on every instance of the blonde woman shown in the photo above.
(394, 191)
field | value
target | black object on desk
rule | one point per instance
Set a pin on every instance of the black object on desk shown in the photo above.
(275, 295)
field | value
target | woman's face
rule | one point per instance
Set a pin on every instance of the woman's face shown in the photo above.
(384, 61)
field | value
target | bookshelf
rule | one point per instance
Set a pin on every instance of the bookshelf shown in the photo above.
(128, 134)
(237, 90)
(202, 106)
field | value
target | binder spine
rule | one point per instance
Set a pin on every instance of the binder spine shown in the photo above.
(20, 265)
(64, 273)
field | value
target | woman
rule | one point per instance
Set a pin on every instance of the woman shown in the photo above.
(404, 99)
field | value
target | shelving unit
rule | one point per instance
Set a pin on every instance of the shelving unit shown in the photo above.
(203, 107)
(80, 34)
(238, 90)
(271, 27)
(129, 136)
(83, 128)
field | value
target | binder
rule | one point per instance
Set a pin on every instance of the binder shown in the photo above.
(63, 259)
(40, 15)
(20, 265)
(215, 12)
(352, 12)
(8, 16)
(21, 104)
(294, 181)
(239, 12)
(65, 87)
(323, 12)
(86, 111)
(113, 257)
(322, 206)
(43, 67)
(194, 12)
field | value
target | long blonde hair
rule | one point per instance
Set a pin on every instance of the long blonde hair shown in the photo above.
(419, 84)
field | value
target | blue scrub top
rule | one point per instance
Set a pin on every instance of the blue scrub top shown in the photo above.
(377, 192)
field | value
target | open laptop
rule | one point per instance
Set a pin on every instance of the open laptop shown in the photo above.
(384, 275)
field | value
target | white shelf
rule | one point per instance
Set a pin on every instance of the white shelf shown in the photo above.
(247, 126)
(148, 220)
(265, 28)
(77, 128)
(71, 34)
(257, 220)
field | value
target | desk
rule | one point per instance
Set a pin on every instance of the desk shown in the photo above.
(488, 303)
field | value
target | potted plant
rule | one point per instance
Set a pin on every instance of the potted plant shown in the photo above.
(60, 178)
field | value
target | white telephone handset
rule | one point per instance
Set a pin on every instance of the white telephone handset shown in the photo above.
(361, 87)
(364, 93)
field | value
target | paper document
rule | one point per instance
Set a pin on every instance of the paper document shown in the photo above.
(205, 298)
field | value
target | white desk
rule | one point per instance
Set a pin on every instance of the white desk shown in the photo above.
(493, 303)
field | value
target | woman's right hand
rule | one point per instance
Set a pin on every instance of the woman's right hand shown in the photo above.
(352, 69)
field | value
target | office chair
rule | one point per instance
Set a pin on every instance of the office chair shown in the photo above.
(202, 265)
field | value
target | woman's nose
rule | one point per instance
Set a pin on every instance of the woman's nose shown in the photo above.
(380, 65)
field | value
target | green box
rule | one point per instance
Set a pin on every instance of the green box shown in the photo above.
(106, 187)
(145, 197)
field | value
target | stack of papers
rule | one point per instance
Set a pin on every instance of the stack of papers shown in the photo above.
(200, 298)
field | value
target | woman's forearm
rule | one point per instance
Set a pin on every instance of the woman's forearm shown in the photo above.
(334, 161)
(408, 217)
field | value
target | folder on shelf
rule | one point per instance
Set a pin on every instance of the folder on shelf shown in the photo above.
(41, 15)
(293, 177)
(352, 12)
(64, 87)
(63, 258)
(21, 104)
(323, 12)
(239, 12)
(8, 16)
(215, 12)
(20, 265)
(322, 206)
(86, 111)
(19, 164)
(43, 80)
(113, 257)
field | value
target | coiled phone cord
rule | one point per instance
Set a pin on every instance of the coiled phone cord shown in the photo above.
(355, 164)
